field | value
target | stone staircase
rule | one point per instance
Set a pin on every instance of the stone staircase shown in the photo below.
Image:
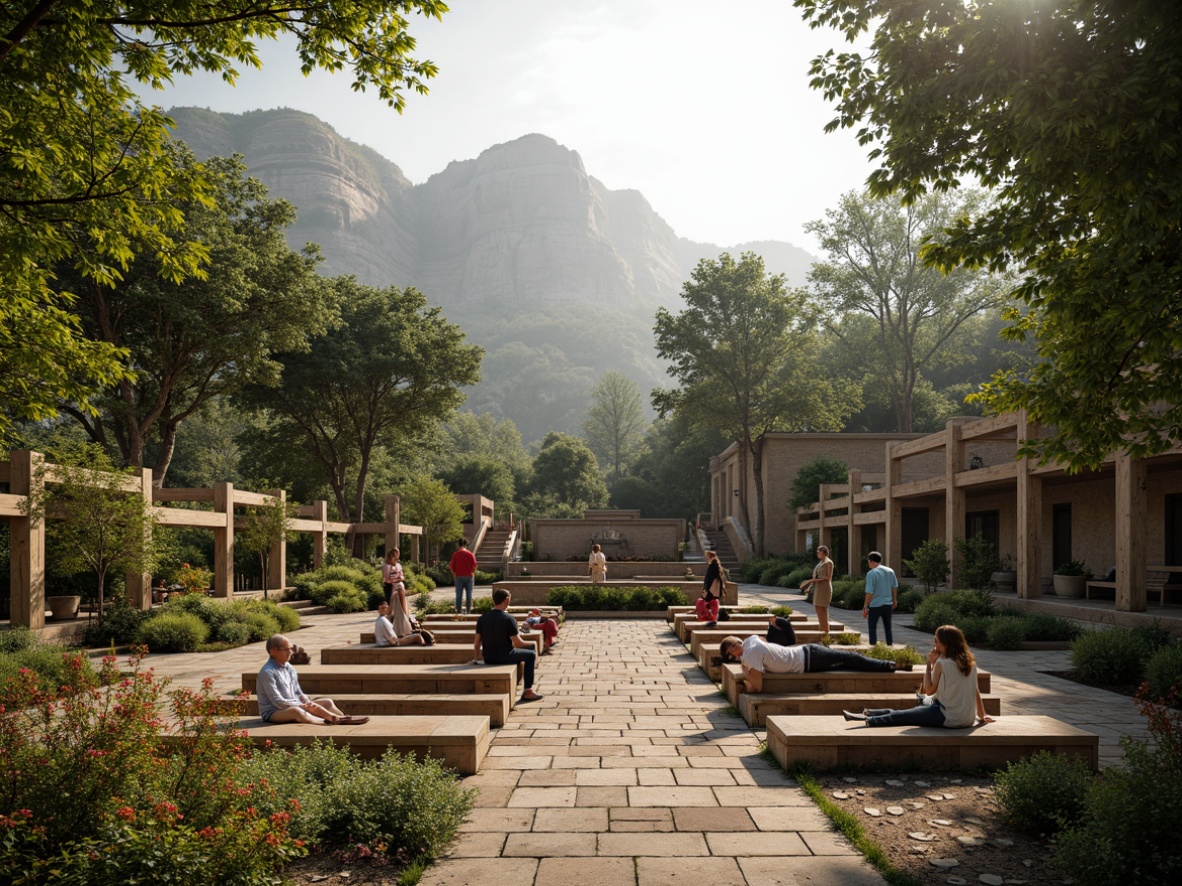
(490, 557)
(721, 546)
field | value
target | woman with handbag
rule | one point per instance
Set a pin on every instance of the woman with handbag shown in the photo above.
(392, 574)
(712, 582)
(822, 585)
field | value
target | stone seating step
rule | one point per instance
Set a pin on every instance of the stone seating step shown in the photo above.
(829, 682)
(672, 611)
(684, 627)
(712, 638)
(747, 628)
(460, 742)
(387, 679)
(755, 709)
(495, 707)
(446, 637)
(828, 742)
(399, 655)
(707, 654)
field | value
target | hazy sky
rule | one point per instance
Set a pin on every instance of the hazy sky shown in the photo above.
(703, 107)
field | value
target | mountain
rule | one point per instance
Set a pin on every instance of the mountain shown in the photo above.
(557, 276)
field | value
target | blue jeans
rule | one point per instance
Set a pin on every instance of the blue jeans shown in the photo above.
(920, 715)
(515, 656)
(873, 615)
(464, 583)
(822, 658)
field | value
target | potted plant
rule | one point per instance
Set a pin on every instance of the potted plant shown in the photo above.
(1005, 579)
(1070, 578)
(64, 607)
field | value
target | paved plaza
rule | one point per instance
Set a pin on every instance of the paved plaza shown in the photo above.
(634, 770)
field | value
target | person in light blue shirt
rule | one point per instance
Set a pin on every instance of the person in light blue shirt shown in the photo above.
(882, 596)
(281, 700)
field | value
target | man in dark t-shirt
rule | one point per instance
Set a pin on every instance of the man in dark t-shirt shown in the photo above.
(496, 632)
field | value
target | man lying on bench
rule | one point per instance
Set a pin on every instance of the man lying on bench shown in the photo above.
(757, 656)
(282, 701)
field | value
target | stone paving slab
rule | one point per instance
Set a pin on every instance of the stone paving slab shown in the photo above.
(619, 776)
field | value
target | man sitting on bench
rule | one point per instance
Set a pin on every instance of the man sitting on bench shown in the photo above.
(497, 636)
(282, 701)
(757, 656)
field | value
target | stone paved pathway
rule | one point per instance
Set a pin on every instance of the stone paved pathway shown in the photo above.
(633, 770)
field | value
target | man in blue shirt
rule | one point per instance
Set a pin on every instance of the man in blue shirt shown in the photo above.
(282, 701)
(498, 637)
(882, 596)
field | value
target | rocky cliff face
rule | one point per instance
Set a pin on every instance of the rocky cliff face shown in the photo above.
(533, 257)
(521, 225)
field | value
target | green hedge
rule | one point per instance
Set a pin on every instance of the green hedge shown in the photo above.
(603, 599)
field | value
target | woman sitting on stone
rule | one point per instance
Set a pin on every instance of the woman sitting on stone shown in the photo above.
(950, 684)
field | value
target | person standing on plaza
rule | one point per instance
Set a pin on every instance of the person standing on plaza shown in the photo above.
(822, 585)
(712, 580)
(597, 565)
(882, 596)
(393, 578)
(497, 638)
(463, 567)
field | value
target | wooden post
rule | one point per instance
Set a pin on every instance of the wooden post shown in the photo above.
(893, 531)
(139, 584)
(276, 576)
(393, 516)
(223, 541)
(853, 535)
(1029, 524)
(319, 536)
(1131, 496)
(954, 498)
(27, 545)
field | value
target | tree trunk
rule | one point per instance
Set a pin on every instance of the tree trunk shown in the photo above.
(757, 477)
(164, 459)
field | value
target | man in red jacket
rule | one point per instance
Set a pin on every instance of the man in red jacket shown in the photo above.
(463, 567)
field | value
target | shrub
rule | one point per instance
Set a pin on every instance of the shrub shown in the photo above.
(260, 625)
(396, 805)
(849, 593)
(288, 618)
(641, 600)
(340, 573)
(346, 602)
(326, 590)
(15, 639)
(933, 612)
(671, 596)
(101, 803)
(795, 577)
(50, 665)
(1043, 793)
(849, 638)
(304, 585)
(1163, 671)
(782, 611)
(1153, 637)
(480, 605)
(974, 627)
(1128, 830)
(1112, 657)
(905, 655)
(1006, 633)
(121, 625)
(909, 599)
(752, 610)
(752, 569)
(486, 578)
(1040, 626)
(979, 560)
(593, 598)
(930, 563)
(173, 632)
(233, 633)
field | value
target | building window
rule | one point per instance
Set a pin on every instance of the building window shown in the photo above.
(985, 524)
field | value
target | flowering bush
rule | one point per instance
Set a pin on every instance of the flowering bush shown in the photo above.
(194, 579)
(110, 778)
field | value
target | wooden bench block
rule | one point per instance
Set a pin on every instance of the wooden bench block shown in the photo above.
(831, 742)
(672, 612)
(446, 637)
(332, 680)
(755, 709)
(460, 742)
(685, 629)
(830, 682)
(495, 707)
(367, 654)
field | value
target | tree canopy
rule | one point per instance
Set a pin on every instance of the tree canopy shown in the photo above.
(873, 268)
(566, 478)
(383, 379)
(85, 174)
(615, 423)
(1070, 112)
(744, 352)
(206, 336)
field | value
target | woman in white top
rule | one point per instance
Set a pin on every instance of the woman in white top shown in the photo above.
(950, 679)
(597, 565)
